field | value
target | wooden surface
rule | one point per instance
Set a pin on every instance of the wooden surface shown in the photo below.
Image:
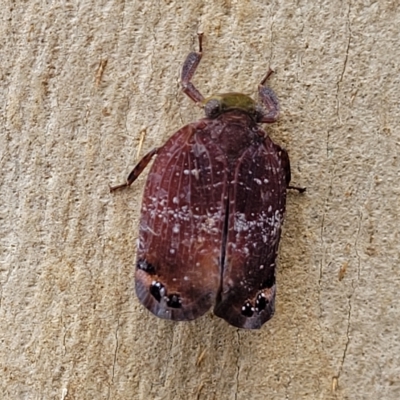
(88, 87)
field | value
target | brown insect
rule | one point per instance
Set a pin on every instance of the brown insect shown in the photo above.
(212, 211)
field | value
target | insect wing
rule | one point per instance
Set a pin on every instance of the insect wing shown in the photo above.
(181, 226)
(257, 198)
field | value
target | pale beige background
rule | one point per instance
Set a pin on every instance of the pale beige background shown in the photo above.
(71, 326)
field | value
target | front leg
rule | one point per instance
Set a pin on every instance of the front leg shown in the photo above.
(141, 165)
(189, 68)
(269, 101)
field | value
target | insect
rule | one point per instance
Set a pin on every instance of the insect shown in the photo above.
(212, 211)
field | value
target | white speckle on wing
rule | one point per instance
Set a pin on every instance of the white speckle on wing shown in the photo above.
(187, 224)
(195, 173)
(258, 227)
(176, 228)
(241, 223)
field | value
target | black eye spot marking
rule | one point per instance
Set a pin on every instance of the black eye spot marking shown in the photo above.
(247, 309)
(261, 302)
(174, 301)
(145, 266)
(157, 290)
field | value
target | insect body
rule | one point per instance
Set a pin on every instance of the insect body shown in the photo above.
(212, 211)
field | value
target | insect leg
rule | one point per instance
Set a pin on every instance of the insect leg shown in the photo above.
(269, 100)
(299, 189)
(140, 166)
(188, 70)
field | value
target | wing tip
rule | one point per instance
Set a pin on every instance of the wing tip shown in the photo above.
(154, 296)
(247, 314)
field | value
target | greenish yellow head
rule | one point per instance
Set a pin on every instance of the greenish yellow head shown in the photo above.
(224, 102)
